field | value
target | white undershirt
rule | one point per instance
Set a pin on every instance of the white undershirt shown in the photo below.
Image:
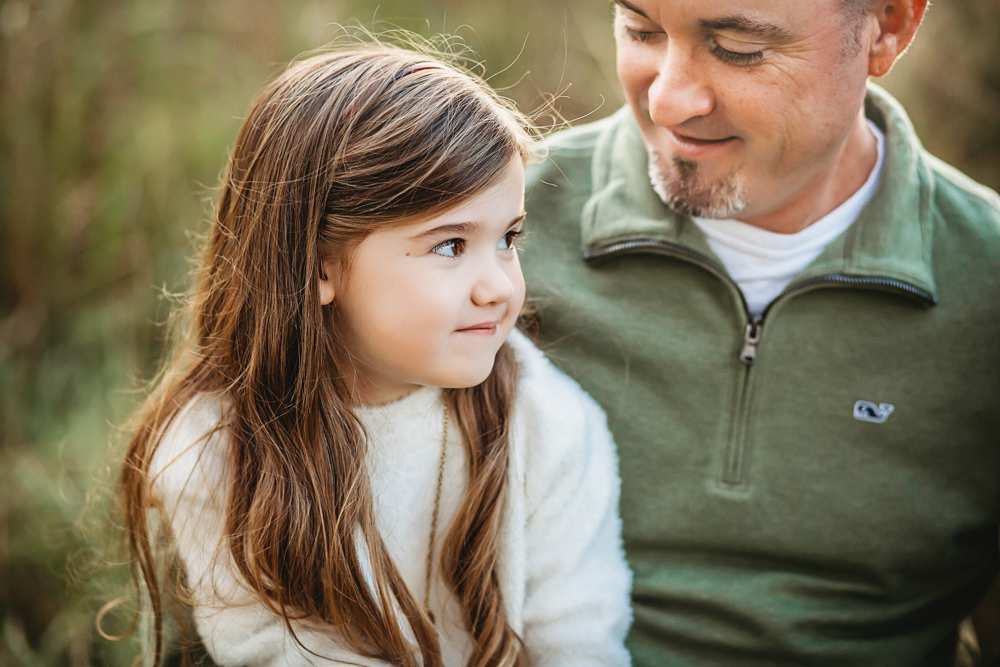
(763, 263)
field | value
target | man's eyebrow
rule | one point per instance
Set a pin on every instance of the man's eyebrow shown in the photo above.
(747, 25)
(632, 8)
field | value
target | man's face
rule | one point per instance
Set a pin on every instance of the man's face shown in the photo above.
(744, 105)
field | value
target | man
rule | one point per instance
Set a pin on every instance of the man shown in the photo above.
(790, 313)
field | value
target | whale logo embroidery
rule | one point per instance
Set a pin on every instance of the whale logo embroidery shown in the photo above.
(867, 411)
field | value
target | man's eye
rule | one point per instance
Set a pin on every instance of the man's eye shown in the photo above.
(450, 248)
(640, 35)
(506, 242)
(737, 58)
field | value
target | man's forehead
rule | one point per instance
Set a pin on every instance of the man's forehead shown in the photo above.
(771, 18)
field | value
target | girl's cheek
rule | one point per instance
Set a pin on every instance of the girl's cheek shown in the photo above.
(517, 280)
(427, 307)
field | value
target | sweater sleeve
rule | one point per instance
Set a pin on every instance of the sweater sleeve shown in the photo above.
(577, 608)
(189, 475)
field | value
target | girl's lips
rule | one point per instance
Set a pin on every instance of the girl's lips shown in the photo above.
(483, 329)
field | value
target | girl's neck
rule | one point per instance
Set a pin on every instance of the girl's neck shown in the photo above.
(382, 400)
(369, 393)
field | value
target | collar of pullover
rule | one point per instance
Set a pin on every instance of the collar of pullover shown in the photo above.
(891, 239)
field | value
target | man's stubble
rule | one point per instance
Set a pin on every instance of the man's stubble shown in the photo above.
(678, 185)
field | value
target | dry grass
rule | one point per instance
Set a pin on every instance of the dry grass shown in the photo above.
(115, 119)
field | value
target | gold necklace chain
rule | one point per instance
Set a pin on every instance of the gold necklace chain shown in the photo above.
(434, 519)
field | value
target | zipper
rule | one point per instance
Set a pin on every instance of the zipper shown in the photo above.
(755, 325)
(750, 341)
(840, 280)
(735, 455)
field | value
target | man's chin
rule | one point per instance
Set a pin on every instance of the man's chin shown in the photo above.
(683, 189)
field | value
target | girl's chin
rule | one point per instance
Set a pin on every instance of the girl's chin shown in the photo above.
(465, 381)
(467, 376)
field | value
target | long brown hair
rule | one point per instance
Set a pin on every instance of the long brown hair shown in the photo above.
(340, 145)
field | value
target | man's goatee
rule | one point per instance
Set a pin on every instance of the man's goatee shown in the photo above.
(677, 185)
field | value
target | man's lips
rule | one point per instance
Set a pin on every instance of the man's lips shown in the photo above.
(693, 147)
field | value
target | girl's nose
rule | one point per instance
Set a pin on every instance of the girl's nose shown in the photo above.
(493, 285)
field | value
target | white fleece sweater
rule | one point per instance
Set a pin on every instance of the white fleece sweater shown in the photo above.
(563, 574)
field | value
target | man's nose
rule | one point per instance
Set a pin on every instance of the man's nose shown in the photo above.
(679, 92)
(492, 284)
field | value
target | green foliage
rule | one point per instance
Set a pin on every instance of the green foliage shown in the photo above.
(115, 118)
(949, 82)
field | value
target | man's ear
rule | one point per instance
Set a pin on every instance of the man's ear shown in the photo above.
(327, 286)
(897, 22)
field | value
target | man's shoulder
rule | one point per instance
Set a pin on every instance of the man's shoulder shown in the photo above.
(954, 199)
(545, 392)
(581, 138)
(960, 200)
(567, 155)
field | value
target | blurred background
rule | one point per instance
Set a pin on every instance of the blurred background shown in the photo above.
(115, 121)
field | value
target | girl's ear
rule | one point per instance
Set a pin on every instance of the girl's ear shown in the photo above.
(327, 287)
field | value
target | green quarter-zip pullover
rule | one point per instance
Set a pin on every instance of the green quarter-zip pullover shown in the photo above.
(817, 486)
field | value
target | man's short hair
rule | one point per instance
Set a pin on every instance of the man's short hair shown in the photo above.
(855, 11)
(858, 9)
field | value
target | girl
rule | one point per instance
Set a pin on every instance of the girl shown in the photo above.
(351, 460)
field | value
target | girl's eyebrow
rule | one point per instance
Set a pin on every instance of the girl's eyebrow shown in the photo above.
(518, 219)
(453, 228)
(461, 228)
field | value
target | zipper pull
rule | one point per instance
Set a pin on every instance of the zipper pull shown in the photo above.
(750, 341)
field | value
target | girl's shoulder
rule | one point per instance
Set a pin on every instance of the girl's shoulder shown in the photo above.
(543, 385)
(551, 409)
(191, 456)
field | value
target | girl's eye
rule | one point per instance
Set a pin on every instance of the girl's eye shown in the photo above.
(450, 248)
(738, 58)
(506, 242)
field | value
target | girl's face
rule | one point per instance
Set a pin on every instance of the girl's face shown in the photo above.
(430, 303)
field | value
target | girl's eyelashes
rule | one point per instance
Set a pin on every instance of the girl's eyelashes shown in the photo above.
(506, 241)
(736, 57)
(456, 247)
(450, 248)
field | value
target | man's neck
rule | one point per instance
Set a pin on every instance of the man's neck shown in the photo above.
(855, 161)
